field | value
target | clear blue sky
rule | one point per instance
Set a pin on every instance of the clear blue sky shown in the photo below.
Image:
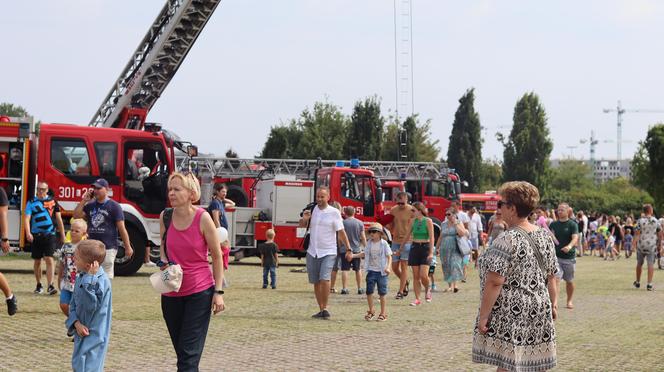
(260, 62)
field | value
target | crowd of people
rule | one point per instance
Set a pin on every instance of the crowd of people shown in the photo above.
(529, 247)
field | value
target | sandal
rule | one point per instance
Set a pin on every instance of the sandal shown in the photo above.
(381, 318)
(370, 315)
(399, 296)
(333, 290)
(405, 290)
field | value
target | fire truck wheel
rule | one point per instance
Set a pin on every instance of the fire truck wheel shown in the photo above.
(237, 195)
(128, 266)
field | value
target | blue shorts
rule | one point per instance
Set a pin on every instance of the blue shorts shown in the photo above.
(65, 296)
(403, 256)
(375, 278)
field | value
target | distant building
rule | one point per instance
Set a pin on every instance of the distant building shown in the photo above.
(603, 170)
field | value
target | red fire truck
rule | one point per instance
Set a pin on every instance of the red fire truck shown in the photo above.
(278, 189)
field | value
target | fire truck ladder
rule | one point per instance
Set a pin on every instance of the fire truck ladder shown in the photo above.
(304, 169)
(155, 61)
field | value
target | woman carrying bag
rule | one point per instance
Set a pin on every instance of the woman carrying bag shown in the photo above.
(514, 329)
(190, 236)
(450, 257)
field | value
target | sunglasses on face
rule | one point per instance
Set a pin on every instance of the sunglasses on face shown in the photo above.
(449, 214)
(42, 189)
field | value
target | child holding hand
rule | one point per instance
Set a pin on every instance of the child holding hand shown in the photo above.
(89, 317)
(377, 262)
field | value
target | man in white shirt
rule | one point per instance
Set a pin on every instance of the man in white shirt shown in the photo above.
(461, 215)
(325, 226)
(475, 228)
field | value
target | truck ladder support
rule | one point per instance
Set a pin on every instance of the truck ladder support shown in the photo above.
(155, 61)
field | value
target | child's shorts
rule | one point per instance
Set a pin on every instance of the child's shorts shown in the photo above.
(374, 278)
(466, 259)
(65, 296)
(628, 247)
(432, 269)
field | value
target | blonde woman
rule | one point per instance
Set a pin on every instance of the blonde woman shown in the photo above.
(191, 235)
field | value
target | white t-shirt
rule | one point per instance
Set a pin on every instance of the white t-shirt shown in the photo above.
(463, 218)
(323, 231)
(475, 225)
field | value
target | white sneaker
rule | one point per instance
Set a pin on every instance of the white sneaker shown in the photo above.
(150, 264)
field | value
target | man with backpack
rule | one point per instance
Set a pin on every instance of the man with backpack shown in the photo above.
(42, 219)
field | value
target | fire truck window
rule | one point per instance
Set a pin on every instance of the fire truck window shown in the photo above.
(436, 188)
(350, 188)
(70, 157)
(107, 155)
(146, 175)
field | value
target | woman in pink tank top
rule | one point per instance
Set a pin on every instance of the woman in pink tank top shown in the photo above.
(190, 237)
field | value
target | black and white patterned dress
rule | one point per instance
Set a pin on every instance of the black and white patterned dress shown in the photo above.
(521, 335)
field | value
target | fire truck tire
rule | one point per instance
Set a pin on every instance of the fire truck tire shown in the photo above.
(126, 267)
(236, 194)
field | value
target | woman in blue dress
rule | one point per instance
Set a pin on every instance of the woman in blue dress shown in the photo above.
(450, 257)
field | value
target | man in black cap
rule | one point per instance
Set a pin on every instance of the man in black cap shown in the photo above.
(105, 221)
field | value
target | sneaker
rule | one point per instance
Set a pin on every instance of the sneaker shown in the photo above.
(12, 305)
(274, 287)
(318, 315)
(433, 288)
(325, 314)
(264, 287)
(150, 264)
(416, 303)
(649, 287)
(39, 289)
(52, 290)
(345, 291)
(636, 285)
(360, 291)
(428, 295)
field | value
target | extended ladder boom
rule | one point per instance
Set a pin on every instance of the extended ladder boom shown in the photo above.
(304, 169)
(154, 63)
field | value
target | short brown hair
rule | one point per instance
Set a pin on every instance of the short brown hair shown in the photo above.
(420, 207)
(522, 195)
(647, 208)
(91, 250)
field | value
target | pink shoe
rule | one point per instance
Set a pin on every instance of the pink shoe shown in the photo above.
(428, 296)
(416, 303)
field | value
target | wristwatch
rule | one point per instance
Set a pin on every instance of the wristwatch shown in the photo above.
(4, 240)
(221, 291)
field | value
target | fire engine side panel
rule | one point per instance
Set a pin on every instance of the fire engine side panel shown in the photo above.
(265, 197)
(289, 199)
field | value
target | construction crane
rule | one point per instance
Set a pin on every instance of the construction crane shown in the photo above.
(619, 110)
(154, 63)
(592, 141)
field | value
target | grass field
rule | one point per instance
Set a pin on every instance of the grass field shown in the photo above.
(614, 327)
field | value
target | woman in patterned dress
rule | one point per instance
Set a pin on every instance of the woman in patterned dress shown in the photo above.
(514, 329)
(450, 257)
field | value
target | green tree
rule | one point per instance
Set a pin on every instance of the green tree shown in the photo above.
(570, 175)
(324, 132)
(648, 165)
(10, 109)
(365, 133)
(282, 141)
(464, 152)
(391, 141)
(419, 144)
(527, 150)
(491, 175)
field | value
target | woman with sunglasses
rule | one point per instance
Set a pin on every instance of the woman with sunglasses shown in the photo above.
(514, 329)
(421, 251)
(450, 257)
(496, 226)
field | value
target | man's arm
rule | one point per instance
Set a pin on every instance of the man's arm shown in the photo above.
(4, 228)
(78, 211)
(61, 226)
(129, 251)
(26, 227)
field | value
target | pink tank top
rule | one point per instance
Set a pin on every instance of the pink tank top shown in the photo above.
(188, 248)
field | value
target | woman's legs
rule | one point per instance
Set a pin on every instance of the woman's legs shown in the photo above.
(187, 319)
(416, 281)
(424, 276)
